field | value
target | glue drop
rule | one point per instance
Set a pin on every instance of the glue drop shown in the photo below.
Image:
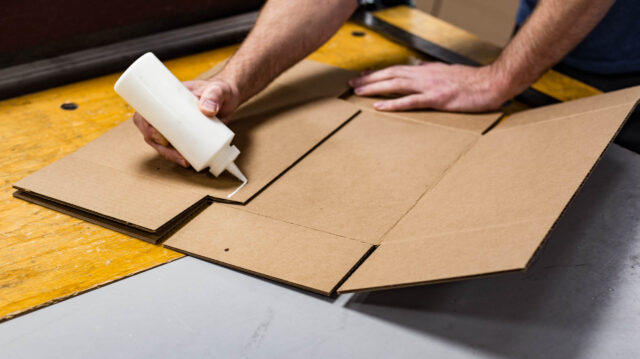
(150, 88)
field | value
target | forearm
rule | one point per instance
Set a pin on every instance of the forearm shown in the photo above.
(286, 32)
(553, 30)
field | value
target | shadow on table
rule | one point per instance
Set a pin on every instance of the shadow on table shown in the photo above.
(553, 309)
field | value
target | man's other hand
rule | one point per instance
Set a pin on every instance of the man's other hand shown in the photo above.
(434, 85)
(216, 98)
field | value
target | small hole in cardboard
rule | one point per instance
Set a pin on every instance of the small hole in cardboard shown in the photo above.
(226, 249)
(358, 33)
(69, 106)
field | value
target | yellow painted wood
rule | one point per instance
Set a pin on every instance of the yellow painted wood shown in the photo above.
(440, 32)
(563, 87)
(444, 34)
(46, 256)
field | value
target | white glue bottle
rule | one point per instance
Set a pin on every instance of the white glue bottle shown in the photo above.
(152, 90)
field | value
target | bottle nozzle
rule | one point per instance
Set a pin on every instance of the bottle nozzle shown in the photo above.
(234, 170)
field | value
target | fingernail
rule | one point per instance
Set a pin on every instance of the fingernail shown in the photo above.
(357, 90)
(352, 83)
(184, 163)
(378, 105)
(210, 106)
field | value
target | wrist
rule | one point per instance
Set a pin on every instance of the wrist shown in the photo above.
(510, 81)
(231, 84)
(496, 86)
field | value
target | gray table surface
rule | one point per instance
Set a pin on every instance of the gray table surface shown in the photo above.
(580, 299)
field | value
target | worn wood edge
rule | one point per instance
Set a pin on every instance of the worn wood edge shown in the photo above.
(11, 315)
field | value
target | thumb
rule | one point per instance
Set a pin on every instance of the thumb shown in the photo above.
(209, 107)
(211, 101)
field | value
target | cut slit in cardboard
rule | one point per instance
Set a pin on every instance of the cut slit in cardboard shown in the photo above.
(348, 199)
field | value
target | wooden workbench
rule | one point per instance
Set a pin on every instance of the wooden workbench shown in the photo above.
(46, 256)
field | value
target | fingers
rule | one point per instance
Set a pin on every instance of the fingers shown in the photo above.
(410, 102)
(148, 131)
(399, 86)
(216, 97)
(154, 139)
(211, 100)
(381, 75)
(169, 153)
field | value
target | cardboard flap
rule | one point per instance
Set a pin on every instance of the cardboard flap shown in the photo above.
(130, 199)
(476, 123)
(571, 108)
(121, 178)
(282, 251)
(364, 178)
(145, 234)
(447, 256)
(495, 206)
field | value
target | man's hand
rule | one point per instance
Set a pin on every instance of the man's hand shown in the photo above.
(216, 97)
(272, 46)
(434, 85)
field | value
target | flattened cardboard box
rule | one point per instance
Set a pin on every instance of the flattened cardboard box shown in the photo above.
(345, 198)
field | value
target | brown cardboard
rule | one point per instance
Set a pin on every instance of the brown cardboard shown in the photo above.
(122, 179)
(476, 123)
(362, 180)
(427, 194)
(473, 205)
(331, 193)
(294, 254)
(495, 206)
(160, 234)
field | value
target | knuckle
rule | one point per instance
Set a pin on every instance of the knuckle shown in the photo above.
(394, 70)
(402, 83)
(413, 102)
(439, 97)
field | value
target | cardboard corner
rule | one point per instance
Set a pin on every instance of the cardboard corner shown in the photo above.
(281, 251)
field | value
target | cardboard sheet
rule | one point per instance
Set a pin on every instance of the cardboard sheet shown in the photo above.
(342, 197)
(287, 252)
(122, 179)
(496, 205)
(362, 180)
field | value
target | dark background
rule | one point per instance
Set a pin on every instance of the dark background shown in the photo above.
(37, 29)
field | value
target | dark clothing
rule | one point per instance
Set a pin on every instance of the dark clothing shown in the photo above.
(607, 59)
(629, 136)
(612, 47)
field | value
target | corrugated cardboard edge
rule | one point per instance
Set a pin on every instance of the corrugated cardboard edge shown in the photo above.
(329, 293)
(564, 210)
(129, 229)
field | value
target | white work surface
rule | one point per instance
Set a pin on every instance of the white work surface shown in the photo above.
(580, 299)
